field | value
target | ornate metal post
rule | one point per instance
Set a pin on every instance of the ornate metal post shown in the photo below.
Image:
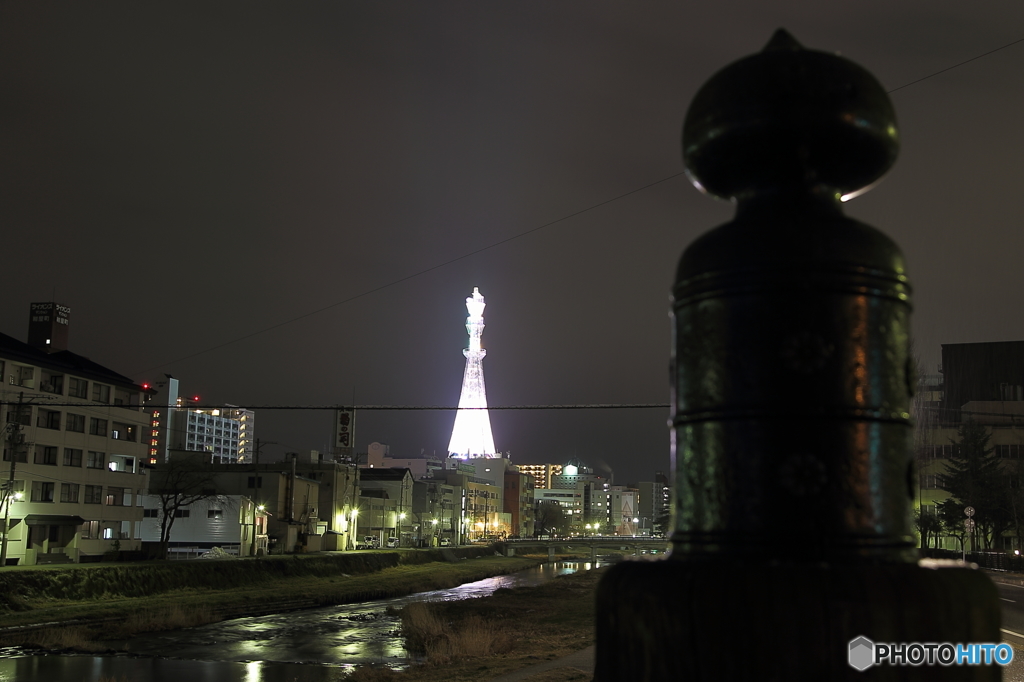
(791, 392)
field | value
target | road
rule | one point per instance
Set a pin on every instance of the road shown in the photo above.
(1011, 598)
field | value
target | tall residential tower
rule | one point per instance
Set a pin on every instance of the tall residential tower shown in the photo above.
(471, 436)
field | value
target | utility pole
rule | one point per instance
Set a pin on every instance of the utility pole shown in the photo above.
(14, 441)
(256, 487)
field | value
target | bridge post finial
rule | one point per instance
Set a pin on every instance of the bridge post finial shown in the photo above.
(791, 386)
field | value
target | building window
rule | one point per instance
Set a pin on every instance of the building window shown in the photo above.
(42, 491)
(120, 431)
(90, 529)
(115, 497)
(48, 419)
(75, 422)
(93, 494)
(181, 513)
(97, 427)
(255, 481)
(22, 416)
(52, 383)
(214, 513)
(1009, 451)
(69, 492)
(100, 393)
(96, 460)
(72, 457)
(46, 454)
(21, 375)
(21, 455)
(149, 513)
(78, 388)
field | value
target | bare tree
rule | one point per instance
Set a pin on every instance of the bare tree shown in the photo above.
(178, 484)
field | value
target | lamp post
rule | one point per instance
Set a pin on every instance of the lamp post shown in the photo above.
(398, 531)
(433, 532)
(352, 529)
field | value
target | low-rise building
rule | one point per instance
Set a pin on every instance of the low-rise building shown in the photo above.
(436, 508)
(378, 456)
(519, 503)
(230, 522)
(388, 504)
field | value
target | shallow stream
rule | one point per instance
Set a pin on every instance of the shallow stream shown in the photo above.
(299, 646)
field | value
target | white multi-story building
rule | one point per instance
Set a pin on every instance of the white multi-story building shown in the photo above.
(227, 433)
(224, 432)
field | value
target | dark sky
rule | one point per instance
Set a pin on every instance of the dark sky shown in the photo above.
(183, 176)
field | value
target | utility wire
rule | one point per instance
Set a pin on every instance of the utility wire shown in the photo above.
(956, 66)
(503, 241)
(389, 408)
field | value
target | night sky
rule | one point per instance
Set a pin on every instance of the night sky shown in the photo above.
(185, 177)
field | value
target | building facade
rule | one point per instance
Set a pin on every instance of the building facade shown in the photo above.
(178, 422)
(543, 474)
(519, 503)
(386, 508)
(73, 439)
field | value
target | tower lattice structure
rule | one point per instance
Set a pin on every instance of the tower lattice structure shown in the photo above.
(471, 436)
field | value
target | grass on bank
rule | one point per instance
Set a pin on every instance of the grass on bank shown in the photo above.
(195, 606)
(478, 639)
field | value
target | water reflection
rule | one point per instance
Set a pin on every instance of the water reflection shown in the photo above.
(93, 668)
(302, 645)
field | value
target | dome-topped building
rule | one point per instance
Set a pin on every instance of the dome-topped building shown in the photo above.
(575, 471)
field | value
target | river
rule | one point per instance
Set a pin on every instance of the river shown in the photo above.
(299, 646)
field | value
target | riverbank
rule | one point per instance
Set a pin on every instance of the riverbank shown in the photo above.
(480, 639)
(73, 607)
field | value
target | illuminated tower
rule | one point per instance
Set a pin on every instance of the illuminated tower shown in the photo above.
(471, 436)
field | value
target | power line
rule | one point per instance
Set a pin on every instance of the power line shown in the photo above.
(503, 241)
(955, 66)
(395, 408)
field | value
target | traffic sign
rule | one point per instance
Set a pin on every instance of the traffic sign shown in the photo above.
(969, 511)
(969, 525)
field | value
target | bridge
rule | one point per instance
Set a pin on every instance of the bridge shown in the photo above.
(633, 545)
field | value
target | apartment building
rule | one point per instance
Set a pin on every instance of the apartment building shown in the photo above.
(73, 439)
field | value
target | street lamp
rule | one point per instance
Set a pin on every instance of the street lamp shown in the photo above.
(352, 529)
(398, 531)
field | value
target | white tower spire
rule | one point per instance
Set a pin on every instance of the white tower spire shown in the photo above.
(471, 436)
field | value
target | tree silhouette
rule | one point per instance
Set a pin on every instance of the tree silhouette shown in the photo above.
(974, 478)
(550, 518)
(177, 484)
